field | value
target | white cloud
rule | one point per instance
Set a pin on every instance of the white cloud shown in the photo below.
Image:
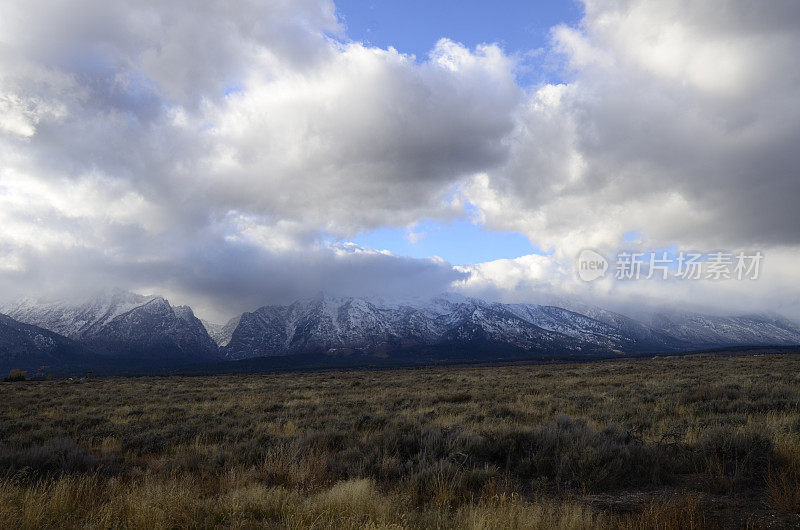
(678, 120)
(553, 280)
(209, 149)
(415, 237)
(184, 137)
(369, 138)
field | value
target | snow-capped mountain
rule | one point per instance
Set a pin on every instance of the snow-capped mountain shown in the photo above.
(384, 327)
(29, 347)
(73, 319)
(380, 326)
(154, 329)
(123, 324)
(331, 324)
(639, 335)
(710, 331)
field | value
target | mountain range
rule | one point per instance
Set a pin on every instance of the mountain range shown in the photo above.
(119, 329)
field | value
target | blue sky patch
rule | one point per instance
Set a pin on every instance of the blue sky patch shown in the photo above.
(414, 26)
(459, 242)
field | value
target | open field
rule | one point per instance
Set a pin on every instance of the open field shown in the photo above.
(684, 442)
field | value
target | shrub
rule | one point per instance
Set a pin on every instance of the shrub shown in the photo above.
(16, 375)
(735, 457)
(58, 456)
(783, 490)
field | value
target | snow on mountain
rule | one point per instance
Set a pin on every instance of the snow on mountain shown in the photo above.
(639, 335)
(154, 329)
(128, 325)
(571, 324)
(711, 331)
(676, 330)
(322, 324)
(74, 320)
(221, 333)
(27, 347)
(120, 323)
(380, 326)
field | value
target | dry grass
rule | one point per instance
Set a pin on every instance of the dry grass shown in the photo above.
(627, 444)
(681, 512)
(783, 491)
(154, 503)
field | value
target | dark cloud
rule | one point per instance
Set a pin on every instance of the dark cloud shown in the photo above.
(206, 148)
(680, 120)
(210, 149)
(220, 281)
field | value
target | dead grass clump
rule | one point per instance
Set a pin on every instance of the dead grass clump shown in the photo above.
(291, 467)
(682, 513)
(783, 490)
(734, 457)
(511, 513)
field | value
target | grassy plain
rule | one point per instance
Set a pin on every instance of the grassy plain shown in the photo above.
(682, 442)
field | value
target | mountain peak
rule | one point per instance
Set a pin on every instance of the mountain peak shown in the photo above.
(120, 322)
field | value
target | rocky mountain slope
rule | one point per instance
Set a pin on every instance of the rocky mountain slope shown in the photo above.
(702, 331)
(74, 319)
(221, 333)
(382, 327)
(30, 348)
(123, 324)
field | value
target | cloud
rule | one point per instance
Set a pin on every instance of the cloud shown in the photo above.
(161, 142)
(220, 280)
(554, 280)
(209, 150)
(679, 119)
(371, 138)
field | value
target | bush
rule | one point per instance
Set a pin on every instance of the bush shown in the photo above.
(735, 457)
(783, 490)
(57, 457)
(16, 375)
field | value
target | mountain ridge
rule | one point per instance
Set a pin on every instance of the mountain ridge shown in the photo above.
(120, 324)
(123, 326)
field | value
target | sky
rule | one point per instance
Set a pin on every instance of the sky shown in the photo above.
(232, 154)
(522, 29)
